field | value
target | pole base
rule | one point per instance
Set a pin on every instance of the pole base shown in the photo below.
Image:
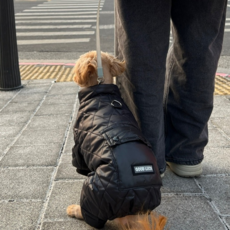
(9, 89)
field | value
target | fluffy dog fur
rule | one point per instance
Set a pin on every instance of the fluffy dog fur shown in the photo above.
(85, 75)
(85, 70)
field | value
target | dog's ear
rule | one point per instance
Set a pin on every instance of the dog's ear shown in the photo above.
(85, 72)
(117, 67)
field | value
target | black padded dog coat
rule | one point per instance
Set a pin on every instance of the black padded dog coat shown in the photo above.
(121, 169)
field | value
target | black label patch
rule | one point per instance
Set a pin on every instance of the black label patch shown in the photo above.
(142, 169)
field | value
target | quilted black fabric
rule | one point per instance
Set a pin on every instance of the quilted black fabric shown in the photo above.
(108, 144)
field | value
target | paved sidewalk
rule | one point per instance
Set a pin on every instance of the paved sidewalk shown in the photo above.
(38, 182)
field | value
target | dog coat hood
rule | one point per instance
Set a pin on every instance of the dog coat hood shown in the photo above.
(122, 173)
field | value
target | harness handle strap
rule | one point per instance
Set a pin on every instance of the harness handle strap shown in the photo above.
(98, 45)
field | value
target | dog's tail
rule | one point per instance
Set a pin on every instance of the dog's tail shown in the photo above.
(152, 221)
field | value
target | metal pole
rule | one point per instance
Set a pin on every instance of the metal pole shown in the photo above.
(9, 67)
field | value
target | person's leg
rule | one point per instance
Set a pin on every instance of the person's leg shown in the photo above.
(142, 37)
(198, 28)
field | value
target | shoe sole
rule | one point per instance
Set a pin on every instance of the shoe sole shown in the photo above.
(162, 175)
(186, 170)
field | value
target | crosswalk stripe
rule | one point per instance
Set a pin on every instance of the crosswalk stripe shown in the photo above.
(105, 26)
(25, 34)
(58, 13)
(44, 10)
(96, 1)
(55, 21)
(56, 41)
(53, 12)
(72, 2)
(107, 12)
(63, 7)
(53, 27)
(58, 17)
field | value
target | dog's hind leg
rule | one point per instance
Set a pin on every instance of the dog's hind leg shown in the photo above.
(74, 211)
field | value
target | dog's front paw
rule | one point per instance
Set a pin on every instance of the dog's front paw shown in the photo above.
(74, 211)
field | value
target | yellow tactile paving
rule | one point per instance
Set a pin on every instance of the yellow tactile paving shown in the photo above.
(63, 73)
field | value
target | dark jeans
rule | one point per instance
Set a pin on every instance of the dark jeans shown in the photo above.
(185, 73)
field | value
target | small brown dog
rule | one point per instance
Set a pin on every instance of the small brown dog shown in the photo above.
(86, 69)
(86, 76)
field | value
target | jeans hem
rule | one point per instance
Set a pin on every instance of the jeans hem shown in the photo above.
(162, 170)
(183, 162)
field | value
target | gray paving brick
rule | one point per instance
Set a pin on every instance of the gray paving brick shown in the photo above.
(19, 215)
(22, 97)
(210, 125)
(35, 88)
(216, 139)
(10, 131)
(8, 95)
(69, 142)
(27, 183)
(24, 82)
(175, 184)
(60, 99)
(40, 137)
(40, 82)
(50, 122)
(221, 111)
(70, 224)
(14, 119)
(20, 107)
(74, 224)
(223, 123)
(221, 107)
(64, 88)
(188, 213)
(2, 103)
(227, 219)
(218, 189)
(63, 195)
(4, 143)
(42, 155)
(215, 161)
(55, 109)
(220, 100)
(66, 170)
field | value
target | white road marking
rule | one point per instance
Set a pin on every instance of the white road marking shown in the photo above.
(56, 41)
(73, 1)
(83, 1)
(53, 27)
(58, 17)
(105, 26)
(55, 21)
(58, 13)
(63, 7)
(107, 12)
(57, 10)
(55, 33)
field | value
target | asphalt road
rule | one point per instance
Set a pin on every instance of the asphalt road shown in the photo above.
(59, 29)
(54, 27)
